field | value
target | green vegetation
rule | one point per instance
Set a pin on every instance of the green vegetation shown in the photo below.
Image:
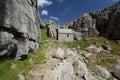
(105, 59)
(44, 35)
(9, 69)
(21, 67)
(78, 44)
(103, 41)
(9, 73)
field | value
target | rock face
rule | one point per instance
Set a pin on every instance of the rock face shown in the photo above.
(117, 70)
(19, 27)
(50, 27)
(85, 27)
(102, 72)
(105, 22)
(51, 31)
(108, 21)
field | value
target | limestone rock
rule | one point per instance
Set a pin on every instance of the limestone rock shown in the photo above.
(107, 47)
(105, 22)
(21, 77)
(86, 26)
(117, 70)
(70, 66)
(102, 72)
(7, 45)
(83, 27)
(51, 31)
(63, 71)
(59, 54)
(19, 24)
(94, 49)
(108, 21)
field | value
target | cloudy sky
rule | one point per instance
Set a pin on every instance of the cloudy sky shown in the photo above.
(62, 11)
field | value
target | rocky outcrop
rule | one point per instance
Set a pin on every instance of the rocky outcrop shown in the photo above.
(50, 28)
(67, 64)
(94, 49)
(105, 22)
(51, 31)
(108, 21)
(116, 68)
(85, 27)
(19, 27)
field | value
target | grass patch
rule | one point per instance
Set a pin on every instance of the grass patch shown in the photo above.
(103, 41)
(105, 59)
(7, 73)
(38, 57)
(75, 44)
(44, 35)
(23, 66)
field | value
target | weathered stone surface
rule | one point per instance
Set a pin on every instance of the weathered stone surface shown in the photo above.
(102, 72)
(21, 77)
(108, 21)
(51, 31)
(117, 70)
(64, 71)
(83, 27)
(94, 49)
(105, 22)
(107, 47)
(7, 45)
(59, 54)
(19, 20)
(65, 35)
(71, 67)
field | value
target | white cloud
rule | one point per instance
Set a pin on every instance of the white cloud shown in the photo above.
(43, 3)
(54, 18)
(44, 12)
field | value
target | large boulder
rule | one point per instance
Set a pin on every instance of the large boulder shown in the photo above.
(64, 71)
(19, 26)
(102, 72)
(94, 49)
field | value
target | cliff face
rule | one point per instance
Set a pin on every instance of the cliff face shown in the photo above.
(19, 27)
(105, 22)
(108, 21)
(85, 27)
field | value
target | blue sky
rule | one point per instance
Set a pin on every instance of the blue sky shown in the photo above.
(62, 11)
